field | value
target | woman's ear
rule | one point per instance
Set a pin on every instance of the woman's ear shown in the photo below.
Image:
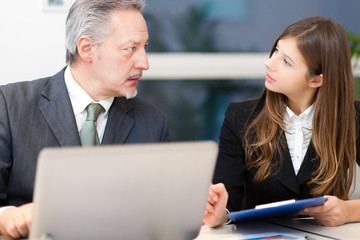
(85, 48)
(316, 81)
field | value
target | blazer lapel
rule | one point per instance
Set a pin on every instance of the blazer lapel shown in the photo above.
(286, 174)
(309, 164)
(119, 123)
(57, 110)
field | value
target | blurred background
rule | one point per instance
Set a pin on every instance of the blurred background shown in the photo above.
(196, 108)
(185, 80)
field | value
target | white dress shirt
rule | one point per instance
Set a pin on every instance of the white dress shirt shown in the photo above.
(298, 135)
(80, 100)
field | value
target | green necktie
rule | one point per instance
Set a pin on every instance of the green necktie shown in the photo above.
(88, 133)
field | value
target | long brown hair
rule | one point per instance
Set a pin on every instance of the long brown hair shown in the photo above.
(324, 46)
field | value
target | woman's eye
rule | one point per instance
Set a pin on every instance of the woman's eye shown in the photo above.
(286, 62)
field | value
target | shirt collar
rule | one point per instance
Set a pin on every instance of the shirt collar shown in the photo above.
(306, 115)
(79, 98)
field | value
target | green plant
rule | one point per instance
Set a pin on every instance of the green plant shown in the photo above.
(354, 43)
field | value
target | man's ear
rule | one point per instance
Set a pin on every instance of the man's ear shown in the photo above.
(316, 81)
(85, 48)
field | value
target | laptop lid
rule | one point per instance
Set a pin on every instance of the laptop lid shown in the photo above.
(133, 191)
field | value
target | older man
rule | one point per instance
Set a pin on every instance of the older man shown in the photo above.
(91, 101)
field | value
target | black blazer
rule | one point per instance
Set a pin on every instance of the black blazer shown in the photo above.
(38, 114)
(244, 193)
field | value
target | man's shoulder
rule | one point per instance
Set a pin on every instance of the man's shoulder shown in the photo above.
(141, 102)
(24, 88)
(21, 97)
(28, 88)
(141, 106)
(144, 105)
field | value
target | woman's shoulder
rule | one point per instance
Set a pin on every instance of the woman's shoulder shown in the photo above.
(357, 105)
(240, 111)
(244, 106)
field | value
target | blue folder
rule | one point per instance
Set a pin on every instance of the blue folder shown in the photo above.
(274, 210)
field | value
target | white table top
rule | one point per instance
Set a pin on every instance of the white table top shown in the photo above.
(298, 228)
(349, 231)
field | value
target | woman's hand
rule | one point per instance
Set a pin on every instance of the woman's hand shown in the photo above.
(215, 213)
(334, 212)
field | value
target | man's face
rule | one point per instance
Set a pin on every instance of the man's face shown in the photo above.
(119, 61)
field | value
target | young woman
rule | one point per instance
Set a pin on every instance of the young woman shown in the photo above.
(299, 139)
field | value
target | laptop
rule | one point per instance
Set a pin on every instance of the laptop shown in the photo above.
(133, 191)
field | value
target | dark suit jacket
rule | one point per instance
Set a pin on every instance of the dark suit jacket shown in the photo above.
(38, 114)
(244, 193)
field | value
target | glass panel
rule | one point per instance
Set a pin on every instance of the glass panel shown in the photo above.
(196, 108)
(235, 25)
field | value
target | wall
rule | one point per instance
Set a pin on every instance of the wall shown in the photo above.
(32, 41)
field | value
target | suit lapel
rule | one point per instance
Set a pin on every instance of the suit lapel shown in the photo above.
(119, 123)
(286, 175)
(57, 110)
(309, 164)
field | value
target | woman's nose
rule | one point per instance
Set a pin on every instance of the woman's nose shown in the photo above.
(268, 63)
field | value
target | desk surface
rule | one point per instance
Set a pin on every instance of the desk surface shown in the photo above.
(293, 227)
(347, 231)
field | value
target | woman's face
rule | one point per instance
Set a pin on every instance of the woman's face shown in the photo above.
(287, 72)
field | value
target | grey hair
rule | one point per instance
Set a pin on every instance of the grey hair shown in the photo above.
(90, 18)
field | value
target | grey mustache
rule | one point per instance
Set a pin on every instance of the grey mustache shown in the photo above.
(138, 74)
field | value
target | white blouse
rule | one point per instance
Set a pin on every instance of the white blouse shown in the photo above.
(298, 135)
